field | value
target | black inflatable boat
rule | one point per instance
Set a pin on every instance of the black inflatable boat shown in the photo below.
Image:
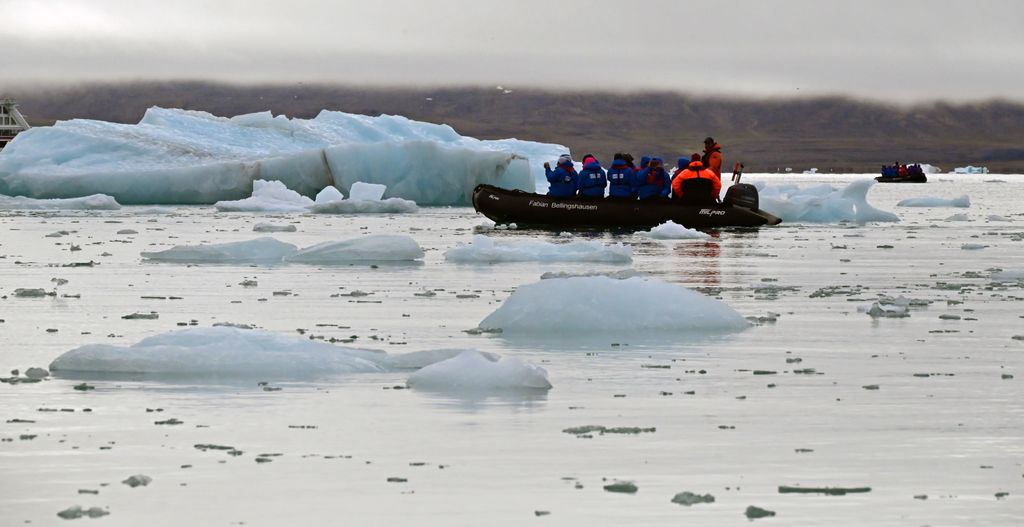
(920, 178)
(739, 209)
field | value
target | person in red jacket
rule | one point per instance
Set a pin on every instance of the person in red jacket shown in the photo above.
(712, 158)
(694, 170)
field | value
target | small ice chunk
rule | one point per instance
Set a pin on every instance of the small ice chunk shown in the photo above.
(996, 217)
(375, 247)
(475, 371)
(360, 191)
(688, 498)
(671, 230)
(484, 249)
(138, 480)
(972, 246)
(1008, 276)
(31, 292)
(888, 311)
(959, 217)
(259, 250)
(327, 195)
(962, 202)
(73, 513)
(273, 227)
(582, 306)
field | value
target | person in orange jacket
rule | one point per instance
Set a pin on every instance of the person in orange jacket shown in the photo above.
(695, 169)
(712, 157)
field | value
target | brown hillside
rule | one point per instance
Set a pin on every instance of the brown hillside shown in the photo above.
(829, 133)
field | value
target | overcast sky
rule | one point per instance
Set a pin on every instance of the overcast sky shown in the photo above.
(895, 50)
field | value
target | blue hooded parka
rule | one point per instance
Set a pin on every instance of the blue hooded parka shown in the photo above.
(592, 179)
(563, 180)
(653, 182)
(621, 180)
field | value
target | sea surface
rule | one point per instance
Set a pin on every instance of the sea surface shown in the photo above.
(927, 411)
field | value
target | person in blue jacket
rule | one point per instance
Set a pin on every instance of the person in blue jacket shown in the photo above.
(653, 181)
(592, 179)
(564, 181)
(621, 178)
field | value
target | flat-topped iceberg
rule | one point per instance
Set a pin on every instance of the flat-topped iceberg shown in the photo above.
(93, 202)
(260, 250)
(962, 202)
(267, 250)
(484, 249)
(221, 351)
(587, 305)
(474, 371)
(192, 157)
(375, 247)
(671, 230)
(822, 203)
(250, 353)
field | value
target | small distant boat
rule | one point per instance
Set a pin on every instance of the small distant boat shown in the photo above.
(11, 121)
(528, 209)
(913, 174)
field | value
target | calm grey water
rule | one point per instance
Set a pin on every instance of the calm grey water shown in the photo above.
(956, 437)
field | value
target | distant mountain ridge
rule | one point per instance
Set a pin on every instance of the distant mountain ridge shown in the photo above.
(830, 133)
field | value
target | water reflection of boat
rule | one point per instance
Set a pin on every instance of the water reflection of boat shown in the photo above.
(525, 208)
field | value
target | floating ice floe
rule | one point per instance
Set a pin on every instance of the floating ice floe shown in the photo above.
(260, 250)
(671, 230)
(271, 227)
(821, 203)
(268, 196)
(879, 310)
(473, 371)
(959, 217)
(266, 250)
(375, 247)
(251, 353)
(192, 157)
(93, 202)
(962, 202)
(996, 217)
(484, 249)
(586, 305)
(220, 351)
(973, 246)
(617, 275)
(273, 196)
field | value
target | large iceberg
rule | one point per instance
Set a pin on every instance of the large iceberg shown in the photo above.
(821, 203)
(588, 305)
(484, 249)
(191, 157)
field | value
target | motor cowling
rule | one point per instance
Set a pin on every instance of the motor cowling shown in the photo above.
(742, 195)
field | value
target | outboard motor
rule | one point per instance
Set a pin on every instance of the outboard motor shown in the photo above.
(742, 195)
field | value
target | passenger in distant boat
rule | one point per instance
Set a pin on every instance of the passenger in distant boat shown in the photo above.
(689, 191)
(653, 182)
(563, 180)
(903, 171)
(621, 178)
(712, 158)
(592, 178)
(628, 158)
(645, 161)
